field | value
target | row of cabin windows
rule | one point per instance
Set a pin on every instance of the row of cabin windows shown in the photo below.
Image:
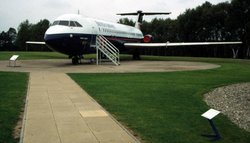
(67, 23)
(120, 32)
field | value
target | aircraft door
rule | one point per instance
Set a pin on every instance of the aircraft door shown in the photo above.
(93, 36)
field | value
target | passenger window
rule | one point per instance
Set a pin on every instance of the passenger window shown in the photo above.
(65, 23)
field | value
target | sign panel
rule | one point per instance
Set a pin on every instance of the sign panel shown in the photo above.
(210, 114)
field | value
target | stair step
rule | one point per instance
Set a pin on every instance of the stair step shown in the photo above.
(92, 46)
(108, 49)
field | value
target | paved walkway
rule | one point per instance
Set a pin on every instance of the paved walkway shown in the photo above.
(59, 111)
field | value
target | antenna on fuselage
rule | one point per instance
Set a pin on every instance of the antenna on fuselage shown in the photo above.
(78, 12)
(140, 15)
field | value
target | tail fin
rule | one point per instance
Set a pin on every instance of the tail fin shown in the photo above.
(140, 15)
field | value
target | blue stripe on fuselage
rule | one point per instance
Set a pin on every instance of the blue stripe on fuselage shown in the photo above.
(79, 44)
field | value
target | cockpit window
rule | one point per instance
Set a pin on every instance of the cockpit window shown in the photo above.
(72, 24)
(55, 23)
(67, 23)
(78, 24)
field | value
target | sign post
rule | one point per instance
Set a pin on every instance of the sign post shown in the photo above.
(13, 59)
(209, 115)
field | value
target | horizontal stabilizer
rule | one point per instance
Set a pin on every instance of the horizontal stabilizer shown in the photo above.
(35, 42)
(179, 44)
(145, 13)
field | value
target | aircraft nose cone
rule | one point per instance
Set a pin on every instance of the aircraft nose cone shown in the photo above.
(51, 33)
(48, 32)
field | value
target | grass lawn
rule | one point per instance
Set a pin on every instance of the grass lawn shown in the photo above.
(166, 107)
(159, 107)
(13, 88)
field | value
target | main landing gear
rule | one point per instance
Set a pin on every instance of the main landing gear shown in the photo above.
(136, 54)
(76, 59)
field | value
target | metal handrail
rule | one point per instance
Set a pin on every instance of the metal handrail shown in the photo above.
(108, 49)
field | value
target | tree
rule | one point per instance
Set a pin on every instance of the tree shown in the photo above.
(24, 33)
(7, 39)
(239, 24)
(12, 34)
(3, 40)
(31, 32)
(126, 21)
(38, 30)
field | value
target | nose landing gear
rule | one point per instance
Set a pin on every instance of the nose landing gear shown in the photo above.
(76, 60)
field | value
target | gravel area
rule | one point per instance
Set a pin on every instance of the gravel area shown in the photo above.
(233, 101)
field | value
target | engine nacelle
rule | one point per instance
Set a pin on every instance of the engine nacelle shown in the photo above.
(147, 38)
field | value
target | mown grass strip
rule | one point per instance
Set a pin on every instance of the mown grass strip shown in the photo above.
(13, 88)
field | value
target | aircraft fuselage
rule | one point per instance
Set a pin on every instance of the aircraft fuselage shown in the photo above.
(75, 35)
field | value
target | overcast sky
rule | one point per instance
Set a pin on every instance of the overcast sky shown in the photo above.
(13, 12)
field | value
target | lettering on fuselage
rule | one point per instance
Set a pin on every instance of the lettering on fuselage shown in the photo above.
(109, 28)
(101, 24)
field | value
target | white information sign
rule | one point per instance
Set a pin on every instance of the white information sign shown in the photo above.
(210, 114)
(14, 57)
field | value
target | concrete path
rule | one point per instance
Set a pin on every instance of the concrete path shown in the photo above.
(59, 111)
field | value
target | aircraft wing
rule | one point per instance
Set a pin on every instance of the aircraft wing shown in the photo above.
(168, 44)
(35, 42)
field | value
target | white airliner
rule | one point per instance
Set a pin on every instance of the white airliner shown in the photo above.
(75, 35)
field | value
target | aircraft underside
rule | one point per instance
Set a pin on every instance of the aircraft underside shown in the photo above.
(76, 45)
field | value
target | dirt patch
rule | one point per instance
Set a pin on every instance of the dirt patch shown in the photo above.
(17, 130)
(64, 66)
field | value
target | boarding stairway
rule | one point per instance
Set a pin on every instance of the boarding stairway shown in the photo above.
(104, 46)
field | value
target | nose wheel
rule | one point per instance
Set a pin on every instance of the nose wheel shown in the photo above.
(76, 60)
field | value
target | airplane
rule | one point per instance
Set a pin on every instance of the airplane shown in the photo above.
(75, 35)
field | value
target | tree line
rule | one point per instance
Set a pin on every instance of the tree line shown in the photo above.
(31, 32)
(13, 40)
(227, 21)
